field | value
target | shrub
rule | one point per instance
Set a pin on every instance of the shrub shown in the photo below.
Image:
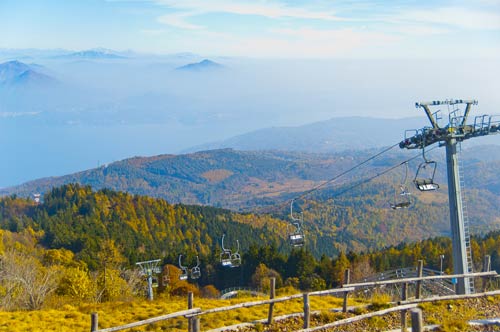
(210, 292)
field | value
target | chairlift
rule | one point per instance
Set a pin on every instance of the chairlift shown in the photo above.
(426, 183)
(296, 236)
(154, 282)
(427, 167)
(225, 255)
(403, 201)
(235, 257)
(184, 270)
(195, 271)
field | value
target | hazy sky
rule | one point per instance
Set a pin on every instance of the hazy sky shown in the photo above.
(292, 28)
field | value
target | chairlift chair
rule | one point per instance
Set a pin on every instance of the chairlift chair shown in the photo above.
(403, 201)
(195, 271)
(225, 255)
(154, 282)
(235, 257)
(296, 236)
(426, 183)
(184, 270)
(225, 258)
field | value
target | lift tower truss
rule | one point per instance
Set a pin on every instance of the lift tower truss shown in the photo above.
(148, 268)
(457, 130)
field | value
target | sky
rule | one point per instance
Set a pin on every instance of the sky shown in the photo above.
(262, 29)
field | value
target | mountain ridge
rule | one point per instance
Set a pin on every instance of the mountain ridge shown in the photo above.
(203, 65)
(91, 54)
(17, 73)
(241, 179)
(334, 135)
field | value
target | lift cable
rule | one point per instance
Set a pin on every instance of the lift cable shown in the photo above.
(380, 174)
(345, 172)
(321, 185)
(308, 192)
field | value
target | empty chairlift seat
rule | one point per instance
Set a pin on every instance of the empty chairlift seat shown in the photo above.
(296, 239)
(426, 183)
(225, 258)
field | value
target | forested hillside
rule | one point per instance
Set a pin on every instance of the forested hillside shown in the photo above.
(82, 245)
(246, 181)
(76, 218)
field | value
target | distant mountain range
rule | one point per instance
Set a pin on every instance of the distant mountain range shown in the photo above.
(334, 135)
(91, 54)
(16, 73)
(204, 65)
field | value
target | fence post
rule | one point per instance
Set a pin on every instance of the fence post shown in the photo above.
(272, 293)
(486, 268)
(196, 324)
(307, 311)
(416, 320)
(347, 280)
(420, 272)
(190, 306)
(404, 297)
(94, 322)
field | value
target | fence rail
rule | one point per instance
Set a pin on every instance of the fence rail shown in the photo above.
(184, 313)
(270, 301)
(359, 317)
(193, 314)
(415, 279)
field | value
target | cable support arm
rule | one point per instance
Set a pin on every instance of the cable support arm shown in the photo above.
(429, 115)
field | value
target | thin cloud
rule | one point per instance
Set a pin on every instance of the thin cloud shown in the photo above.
(274, 10)
(420, 30)
(265, 9)
(307, 43)
(153, 32)
(458, 17)
(179, 20)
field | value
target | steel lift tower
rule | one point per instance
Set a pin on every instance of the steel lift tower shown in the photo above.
(148, 268)
(457, 130)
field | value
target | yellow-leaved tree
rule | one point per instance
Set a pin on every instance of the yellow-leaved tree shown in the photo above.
(109, 284)
(77, 283)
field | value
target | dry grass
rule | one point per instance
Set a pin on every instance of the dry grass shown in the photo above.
(77, 318)
(452, 315)
(217, 175)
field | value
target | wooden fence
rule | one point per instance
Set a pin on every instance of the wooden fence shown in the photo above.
(193, 314)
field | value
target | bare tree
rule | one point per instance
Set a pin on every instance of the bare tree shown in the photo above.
(27, 283)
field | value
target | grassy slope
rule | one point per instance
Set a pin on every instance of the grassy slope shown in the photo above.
(77, 318)
(452, 314)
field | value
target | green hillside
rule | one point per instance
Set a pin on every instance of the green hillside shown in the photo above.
(76, 218)
(119, 229)
(83, 244)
